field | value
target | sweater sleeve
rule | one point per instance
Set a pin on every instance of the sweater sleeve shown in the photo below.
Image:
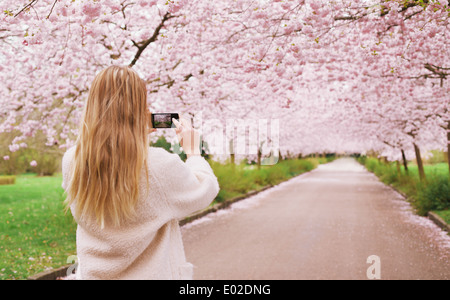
(190, 186)
(66, 160)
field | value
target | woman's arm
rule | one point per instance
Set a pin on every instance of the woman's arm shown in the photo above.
(190, 186)
(189, 138)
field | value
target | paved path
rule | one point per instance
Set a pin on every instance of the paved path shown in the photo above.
(320, 225)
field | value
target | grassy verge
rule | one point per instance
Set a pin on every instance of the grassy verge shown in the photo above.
(36, 235)
(240, 179)
(444, 214)
(431, 195)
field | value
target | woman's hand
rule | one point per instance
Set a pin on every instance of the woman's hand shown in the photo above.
(189, 137)
(150, 125)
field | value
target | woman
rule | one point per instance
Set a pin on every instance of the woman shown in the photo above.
(127, 197)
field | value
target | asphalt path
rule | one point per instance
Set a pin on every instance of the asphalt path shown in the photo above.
(336, 222)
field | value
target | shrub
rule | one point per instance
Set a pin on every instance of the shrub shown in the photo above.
(389, 174)
(362, 159)
(233, 179)
(261, 177)
(295, 167)
(48, 158)
(16, 164)
(371, 164)
(433, 195)
(277, 173)
(48, 164)
(4, 180)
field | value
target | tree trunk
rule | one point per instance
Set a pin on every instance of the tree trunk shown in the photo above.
(405, 162)
(232, 158)
(399, 170)
(448, 146)
(419, 163)
(259, 158)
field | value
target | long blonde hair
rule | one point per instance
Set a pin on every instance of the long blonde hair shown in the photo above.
(111, 149)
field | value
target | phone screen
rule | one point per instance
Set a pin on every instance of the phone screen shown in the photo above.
(164, 120)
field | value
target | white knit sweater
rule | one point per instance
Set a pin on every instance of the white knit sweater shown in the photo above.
(150, 246)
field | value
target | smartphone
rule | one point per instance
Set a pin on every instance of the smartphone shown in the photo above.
(164, 120)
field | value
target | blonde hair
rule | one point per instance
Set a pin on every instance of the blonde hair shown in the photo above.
(111, 149)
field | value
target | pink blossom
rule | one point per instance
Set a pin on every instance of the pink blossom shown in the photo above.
(63, 11)
(14, 147)
(248, 54)
(259, 14)
(91, 10)
(6, 157)
(33, 163)
(143, 3)
(315, 5)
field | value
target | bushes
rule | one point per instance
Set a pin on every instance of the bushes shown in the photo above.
(16, 164)
(4, 180)
(389, 174)
(300, 166)
(371, 164)
(48, 164)
(48, 158)
(277, 174)
(434, 195)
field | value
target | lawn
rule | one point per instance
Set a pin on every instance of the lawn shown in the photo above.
(444, 214)
(439, 169)
(35, 233)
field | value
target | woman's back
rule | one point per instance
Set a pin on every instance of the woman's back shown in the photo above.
(148, 246)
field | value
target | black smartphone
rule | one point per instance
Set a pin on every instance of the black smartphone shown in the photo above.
(164, 120)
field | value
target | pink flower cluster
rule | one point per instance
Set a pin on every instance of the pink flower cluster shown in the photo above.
(347, 75)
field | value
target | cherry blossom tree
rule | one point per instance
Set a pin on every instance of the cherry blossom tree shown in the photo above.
(339, 75)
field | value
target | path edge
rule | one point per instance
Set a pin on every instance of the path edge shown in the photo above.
(52, 274)
(221, 205)
(439, 221)
(431, 215)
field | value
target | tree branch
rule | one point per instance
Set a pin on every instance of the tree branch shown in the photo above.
(143, 45)
(25, 7)
(51, 10)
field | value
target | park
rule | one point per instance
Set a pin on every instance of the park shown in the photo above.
(326, 123)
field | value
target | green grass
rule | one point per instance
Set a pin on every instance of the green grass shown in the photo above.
(439, 169)
(35, 232)
(444, 214)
